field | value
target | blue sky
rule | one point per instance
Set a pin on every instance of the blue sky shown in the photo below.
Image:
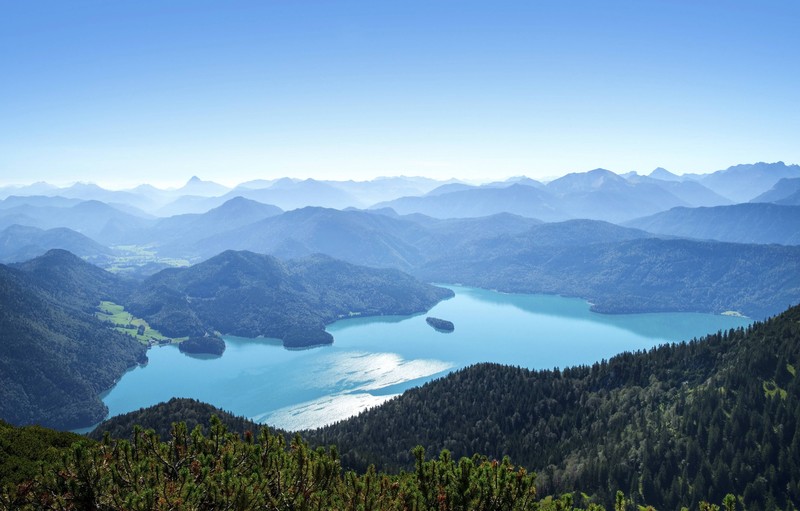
(122, 92)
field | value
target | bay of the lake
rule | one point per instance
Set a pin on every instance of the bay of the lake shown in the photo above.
(374, 359)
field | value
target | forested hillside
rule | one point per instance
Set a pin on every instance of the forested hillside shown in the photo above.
(55, 356)
(670, 426)
(637, 275)
(247, 294)
(160, 418)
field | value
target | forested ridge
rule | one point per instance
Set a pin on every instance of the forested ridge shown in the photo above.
(669, 427)
(251, 295)
(55, 356)
(632, 276)
(160, 418)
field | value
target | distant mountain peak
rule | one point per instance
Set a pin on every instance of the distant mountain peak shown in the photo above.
(664, 175)
(197, 186)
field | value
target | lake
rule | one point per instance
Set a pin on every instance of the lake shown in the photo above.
(374, 359)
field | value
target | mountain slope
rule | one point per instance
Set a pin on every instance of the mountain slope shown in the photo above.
(55, 357)
(639, 275)
(691, 192)
(21, 243)
(517, 199)
(741, 183)
(354, 236)
(603, 195)
(171, 235)
(780, 191)
(249, 295)
(97, 220)
(740, 223)
(668, 426)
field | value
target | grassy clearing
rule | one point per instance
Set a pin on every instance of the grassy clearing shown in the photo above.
(126, 323)
(771, 389)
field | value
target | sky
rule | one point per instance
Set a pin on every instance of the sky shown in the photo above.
(124, 92)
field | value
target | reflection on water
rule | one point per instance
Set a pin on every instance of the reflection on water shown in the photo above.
(373, 359)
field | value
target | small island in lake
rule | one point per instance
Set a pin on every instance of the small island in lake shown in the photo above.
(440, 324)
(209, 344)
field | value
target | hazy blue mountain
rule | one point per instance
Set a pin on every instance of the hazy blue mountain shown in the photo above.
(173, 234)
(288, 194)
(251, 295)
(56, 201)
(385, 188)
(354, 236)
(639, 275)
(196, 186)
(791, 200)
(285, 193)
(38, 188)
(448, 188)
(740, 223)
(598, 194)
(191, 204)
(742, 183)
(603, 195)
(97, 220)
(93, 192)
(257, 183)
(781, 192)
(21, 243)
(517, 199)
(55, 356)
(691, 192)
(372, 238)
(664, 175)
(524, 180)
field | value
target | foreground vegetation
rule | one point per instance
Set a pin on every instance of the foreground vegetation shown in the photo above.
(224, 471)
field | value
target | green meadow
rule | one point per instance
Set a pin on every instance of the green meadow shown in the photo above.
(127, 323)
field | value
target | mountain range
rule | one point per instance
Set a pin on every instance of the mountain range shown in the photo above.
(597, 194)
(739, 223)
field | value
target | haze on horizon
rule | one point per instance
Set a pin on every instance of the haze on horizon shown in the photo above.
(128, 92)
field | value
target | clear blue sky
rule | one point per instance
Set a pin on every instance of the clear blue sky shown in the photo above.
(121, 92)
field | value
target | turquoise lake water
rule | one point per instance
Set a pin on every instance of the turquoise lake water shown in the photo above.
(373, 359)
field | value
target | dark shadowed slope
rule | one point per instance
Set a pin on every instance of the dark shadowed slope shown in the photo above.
(55, 357)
